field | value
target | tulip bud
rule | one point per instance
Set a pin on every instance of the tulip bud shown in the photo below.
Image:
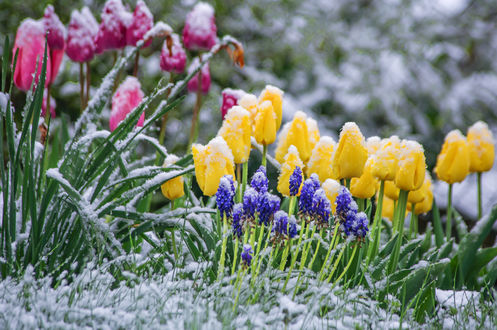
(205, 84)
(230, 99)
(142, 21)
(331, 188)
(391, 190)
(292, 160)
(127, 97)
(411, 167)
(386, 158)
(174, 61)
(236, 132)
(275, 96)
(173, 188)
(81, 33)
(351, 153)
(422, 198)
(373, 143)
(481, 147)
(112, 29)
(453, 161)
(200, 29)
(294, 133)
(365, 185)
(320, 161)
(212, 162)
(265, 124)
(30, 40)
(56, 36)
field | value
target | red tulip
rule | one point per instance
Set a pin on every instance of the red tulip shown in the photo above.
(30, 40)
(56, 32)
(174, 61)
(230, 99)
(200, 29)
(82, 30)
(206, 78)
(112, 30)
(127, 97)
(141, 23)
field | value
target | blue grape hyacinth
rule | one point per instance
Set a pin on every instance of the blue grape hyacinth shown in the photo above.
(360, 228)
(259, 180)
(250, 202)
(247, 255)
(225, 196)
(345, 203)
(238, 220)
(284, 226)
(308, 189)
(267, 205)
(321, 208)
(295, 181)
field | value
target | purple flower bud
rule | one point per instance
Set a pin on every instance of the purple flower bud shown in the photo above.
(247, 255)
(224, 195)
(259, 180)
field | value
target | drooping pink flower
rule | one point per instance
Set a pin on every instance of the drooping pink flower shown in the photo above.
(205, 84)
(200, 29)
(230, 99)
(112, 29)
(141, 23)
(127, 97)
(44, 105)
(30, 40)
(176, 60)
(82, 30)
(56, 36)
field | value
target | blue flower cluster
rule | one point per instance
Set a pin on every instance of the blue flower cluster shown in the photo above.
(267, 205)
(284, 225)
(250, 202)
(308, 189)
(321, 207)
(295, 181)
(225, 195)
(238, 220)
(352, 222)
(247, 255)
(259, 180)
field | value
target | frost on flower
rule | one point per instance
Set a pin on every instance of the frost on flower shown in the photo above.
(200, 31)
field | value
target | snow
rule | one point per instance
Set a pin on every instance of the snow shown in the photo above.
(200, 18)
(159, 29)
(456, 299)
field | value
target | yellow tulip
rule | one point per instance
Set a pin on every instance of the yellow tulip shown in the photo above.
(294, 133)
(411, 168)
(172, 189)
(387, 208)
(365, 185)
(351, 153)
(453, 161)
(292, 160)
(391, 191)
(481, 147)
(373, 144)
(417, 196)
(427, 197)
(275, 96)
(320, 161)
(386, 158)
(212, 162)
(236, 132)
(249, 103)
(265, 124)
(331, 188)
(314, 135)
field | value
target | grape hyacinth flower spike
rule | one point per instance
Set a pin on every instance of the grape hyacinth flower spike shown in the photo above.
(285, 227)
(250, 202)
(247, 255)
(321, 208)
(306, 195)
(237, 223)
(225, 196)
(259, 180)
(295, 181)
(267, 206)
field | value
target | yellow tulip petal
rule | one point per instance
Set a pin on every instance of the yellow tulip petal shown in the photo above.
(351, 153)
(453, 161)
(236, 131)
(275, 96)
(321, 159)
(481, 147)
(265, 124)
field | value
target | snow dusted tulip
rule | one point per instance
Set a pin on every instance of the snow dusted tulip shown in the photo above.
(205, 84)
(331, 188)
(292, 160)
(141, 23)
(127, 97)
(386, 158)
(265, 124)
(44, 105)
(236, 132)
(481, 147)
(172, 189)
(391, 190)
(83, 29)
(351, 153)
(365, 185)
(275, 96)
(200, 29)
(56, 36)
(295, 133)
(112, 29)
(320, 161)
(412, 166)
(427, 201)
(454, 159)
(230, 99)
(176, 60)
(30, 41)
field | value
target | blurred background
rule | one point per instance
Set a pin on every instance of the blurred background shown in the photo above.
(415, 68)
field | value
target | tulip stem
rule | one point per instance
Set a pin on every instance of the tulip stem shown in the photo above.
(448, 228)
(399, 221)
(173, 239)
(413, 227)
(347, 183)
(478, 185)
(375, 243)
(88, 81)
(223, 250)
(244, 176)
(137, 61)
(81, 87)
(291, 206)
(360, 203)
(239, 180)
(264, 151)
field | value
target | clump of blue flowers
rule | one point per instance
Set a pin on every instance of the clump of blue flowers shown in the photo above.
(225, 196)
(321, 208)
(250, 201)
(247, 255)
(295, 181)
(284, 227)
(259, 180)
(308, 189)
(267, 206)
(238, 220)
(352, 223)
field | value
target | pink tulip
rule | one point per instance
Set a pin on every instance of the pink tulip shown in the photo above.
(127, 97)
(176, 61)
(82, 30)
(141, 23)
(30, 40)
(112, 30)
(56, 36)
(206, 78)
(44, 105)
(200, 29)
(230, 99)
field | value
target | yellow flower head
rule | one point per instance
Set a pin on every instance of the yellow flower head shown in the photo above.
(373, 144)
(391, 190)
(292, 160)
(172, 189)
(423, 197)
(481, 147)
(387, 208)
(331, 188)
(265, 124)
(320, 161)
(275, 96)
(314, 135)
(365, 185)
(453, 161)
(411, 168)
(351, 153)
(295, 133)
(212, 162)
(236, 132)
(386, 158)
(249, 103)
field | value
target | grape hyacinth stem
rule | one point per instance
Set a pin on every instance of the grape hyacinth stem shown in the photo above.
(335, 265)
(311, 263)
(296, 253)
(346, 267)
(254, 277)
(448, 228)
(223, 249)
(478, 185)
(235, 256)
(331, 247)
(244, 176)
(258, 248)
(375, 243)
(291, 206)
